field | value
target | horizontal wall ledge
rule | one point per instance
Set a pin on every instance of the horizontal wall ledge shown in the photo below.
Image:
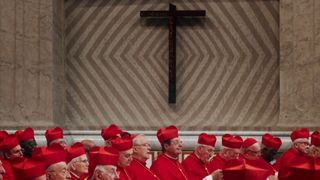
(189, 138)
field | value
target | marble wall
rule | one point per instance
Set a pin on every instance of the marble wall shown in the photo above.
(299, 63)
(26, 63)
(32, 82)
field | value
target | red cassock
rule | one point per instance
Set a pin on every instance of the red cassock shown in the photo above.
(73, 176)
(167, 168)
(195, 168)
(123, 174)
(242, 169)
(84, 176)
(138, 170)
(9, 172)
(305, 168)
(282, 164)
(216, 163)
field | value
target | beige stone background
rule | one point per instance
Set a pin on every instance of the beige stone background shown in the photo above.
(32, 65)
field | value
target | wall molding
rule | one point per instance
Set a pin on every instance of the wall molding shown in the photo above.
(189, 138)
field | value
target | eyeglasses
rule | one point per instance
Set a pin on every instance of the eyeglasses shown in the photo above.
(176, 142)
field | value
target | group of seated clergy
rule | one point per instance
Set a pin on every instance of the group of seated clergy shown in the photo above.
(124, 157)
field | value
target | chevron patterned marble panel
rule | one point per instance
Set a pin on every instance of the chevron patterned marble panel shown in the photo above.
(227, 65)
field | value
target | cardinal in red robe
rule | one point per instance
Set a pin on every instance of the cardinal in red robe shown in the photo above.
(300, 139)
(141, 153)
(196, 164)
(167, 165)
(230, 150)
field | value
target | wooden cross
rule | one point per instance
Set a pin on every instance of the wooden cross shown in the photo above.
(171, 15)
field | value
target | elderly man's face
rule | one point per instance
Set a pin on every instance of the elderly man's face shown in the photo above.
(231, 154)
(252, 153)
(302, 147)
(205, 152)
(60, 141)
(2, 170)
(142, 149)
(15, 152)
(125, 157)
(80, 165)
(106, 172)
(58, 171)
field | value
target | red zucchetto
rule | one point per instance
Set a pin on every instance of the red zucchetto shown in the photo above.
(27, 134)
(76, 150)
(315, 138)
(248, 142)
(110, 132)
(300, 135)
(168, 133)
(29, 169)
(122, 144)
(206, 139)
(229, 141)
(53, 134)
(270, 141)
(9, 142)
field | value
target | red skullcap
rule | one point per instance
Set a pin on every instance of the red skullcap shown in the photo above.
(39, 153)
(9, 142)
(53, 134)
(315, 138)
(207, 139)
(74, 151)
(28, 133)
(248, 142)
(168, 133)
(3, 134)
(110, 132)
(243, 169)
(300, 135)
(270, 141)
(55, 153)
(234, 142)
(102, 156)
(122, 144)
(29, 169)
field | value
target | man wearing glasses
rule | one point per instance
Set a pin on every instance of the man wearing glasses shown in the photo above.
(55, 136)
(124, 146)
(103, 163)
(167, 165)
(230, 150)
(141, 153)
(77, 161)
(196, 164)
(251, 152)
(300, 148)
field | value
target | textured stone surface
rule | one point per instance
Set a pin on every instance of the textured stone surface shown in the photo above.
(32, 64)
(299, 64)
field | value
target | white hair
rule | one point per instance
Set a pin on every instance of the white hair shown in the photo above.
(137, 139)
(54, 165)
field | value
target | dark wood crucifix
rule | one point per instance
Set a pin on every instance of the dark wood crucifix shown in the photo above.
(172, 14)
